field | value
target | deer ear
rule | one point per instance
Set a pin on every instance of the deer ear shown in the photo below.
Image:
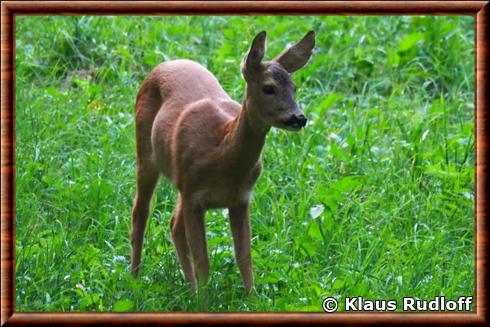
(251, 61)
(297, 56)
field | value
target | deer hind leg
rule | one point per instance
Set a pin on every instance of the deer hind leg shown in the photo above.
(147, 178)
(177, 227)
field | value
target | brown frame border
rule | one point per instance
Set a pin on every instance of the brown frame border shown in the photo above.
(10, 9)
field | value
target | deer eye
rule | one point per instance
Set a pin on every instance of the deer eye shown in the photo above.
(268, 89)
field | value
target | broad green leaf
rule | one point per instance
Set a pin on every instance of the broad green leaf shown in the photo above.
(347, 183)
(338, 284)
(315, 232)
(310, 247)
(89, 300)
(410, 41)
(123, 305)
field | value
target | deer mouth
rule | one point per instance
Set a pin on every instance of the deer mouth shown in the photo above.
(293, 127)
(294, 124)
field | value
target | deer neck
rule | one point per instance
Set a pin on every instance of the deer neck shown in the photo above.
(246, 138)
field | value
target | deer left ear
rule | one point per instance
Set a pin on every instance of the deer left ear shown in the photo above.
(251, 61)
(297, 56)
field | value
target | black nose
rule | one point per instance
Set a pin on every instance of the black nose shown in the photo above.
(297, 120)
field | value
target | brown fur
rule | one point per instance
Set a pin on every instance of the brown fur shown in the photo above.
(209, 147)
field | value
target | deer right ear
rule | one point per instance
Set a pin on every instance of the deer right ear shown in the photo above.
(251, 61)
(297, 56)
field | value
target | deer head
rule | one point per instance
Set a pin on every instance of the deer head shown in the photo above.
(270, 93)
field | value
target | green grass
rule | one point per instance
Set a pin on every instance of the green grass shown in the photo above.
(374, 198)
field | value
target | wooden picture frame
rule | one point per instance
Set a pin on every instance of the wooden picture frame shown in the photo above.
(11, 9)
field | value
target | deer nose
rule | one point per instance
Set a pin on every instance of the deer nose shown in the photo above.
(299, 120)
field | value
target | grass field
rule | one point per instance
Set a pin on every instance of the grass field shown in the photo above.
(374, 198)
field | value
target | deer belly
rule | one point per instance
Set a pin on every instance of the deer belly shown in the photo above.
(221, 198)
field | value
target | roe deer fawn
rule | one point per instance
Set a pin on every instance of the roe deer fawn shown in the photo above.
(209, 147)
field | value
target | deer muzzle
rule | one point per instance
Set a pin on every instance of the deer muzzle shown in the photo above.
(296, 121)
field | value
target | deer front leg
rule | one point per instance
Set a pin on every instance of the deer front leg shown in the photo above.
(195, 233)
(180, 241)
(240, 228)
